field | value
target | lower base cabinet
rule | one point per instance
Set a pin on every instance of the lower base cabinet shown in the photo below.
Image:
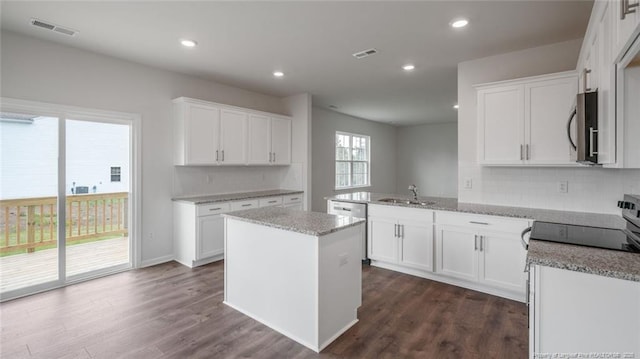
(401, 236)
(581, 315)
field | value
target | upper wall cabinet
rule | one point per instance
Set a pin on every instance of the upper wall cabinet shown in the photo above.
(269, 140)
(213, 134)
(524, 122)
(627, 23)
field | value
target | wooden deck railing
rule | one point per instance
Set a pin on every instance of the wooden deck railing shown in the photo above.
(29, 223)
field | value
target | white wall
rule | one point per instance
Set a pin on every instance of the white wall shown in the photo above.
(590, 189)
(43, 71)
(428, 157)
(383, 154)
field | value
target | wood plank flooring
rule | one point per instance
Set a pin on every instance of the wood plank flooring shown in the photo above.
(171, 311)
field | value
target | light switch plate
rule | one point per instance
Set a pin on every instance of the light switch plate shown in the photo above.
(563, 186)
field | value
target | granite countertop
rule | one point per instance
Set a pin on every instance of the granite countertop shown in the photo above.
(610, 263)
(604, 262)
(311, 223)
(452, 204)
(212, 198)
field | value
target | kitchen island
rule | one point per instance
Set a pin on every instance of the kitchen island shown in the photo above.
(297, 272)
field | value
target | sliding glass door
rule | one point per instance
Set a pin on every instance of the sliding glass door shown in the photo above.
(65, 198)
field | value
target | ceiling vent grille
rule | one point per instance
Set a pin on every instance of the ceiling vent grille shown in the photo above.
(365, 53)
(53, 27)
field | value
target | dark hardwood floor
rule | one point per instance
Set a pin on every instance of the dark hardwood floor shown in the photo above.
(171, 311)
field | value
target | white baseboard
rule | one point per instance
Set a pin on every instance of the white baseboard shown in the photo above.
(154, 261)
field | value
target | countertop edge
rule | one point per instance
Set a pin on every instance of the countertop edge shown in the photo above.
(234, 196)
(583, 269)
(293, 229)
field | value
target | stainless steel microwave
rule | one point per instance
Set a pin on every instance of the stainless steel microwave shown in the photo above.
(585, 146)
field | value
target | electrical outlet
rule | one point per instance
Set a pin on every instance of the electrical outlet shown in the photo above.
(468, 183)
(563, 186)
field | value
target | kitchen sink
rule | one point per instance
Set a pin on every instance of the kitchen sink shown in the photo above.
(407, 201)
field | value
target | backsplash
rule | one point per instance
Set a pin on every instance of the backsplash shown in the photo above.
(589, 189)
(214, 180)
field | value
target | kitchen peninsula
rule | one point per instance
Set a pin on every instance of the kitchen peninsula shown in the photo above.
(296, 272)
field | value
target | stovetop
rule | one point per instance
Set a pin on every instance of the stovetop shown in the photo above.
(607, 238)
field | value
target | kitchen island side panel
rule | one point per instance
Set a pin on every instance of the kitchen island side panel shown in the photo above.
(271, 275)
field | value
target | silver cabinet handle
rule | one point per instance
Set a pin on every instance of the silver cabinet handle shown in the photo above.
(527, 152)
(401, 230)
(214, 209)
(274, 157)
(585, 73)
(246, 205)
(222, 155)
(269, 156)
(627, 8)
(481, 243)
(273, 201)
(591, 132)
(482, 223)
(395, 230)
(475, 242)
(294, 199)
(521, 152)
(216, 155)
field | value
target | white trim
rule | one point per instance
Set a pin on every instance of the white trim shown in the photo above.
(351, 161)
(62, 113)
(530, 79)
(156, 261)
(228, 107)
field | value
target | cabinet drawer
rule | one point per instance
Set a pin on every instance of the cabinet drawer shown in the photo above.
(270, 201)
(482, 222)
(212, 208)
(237, 206)
(292, 198)
(403, 213)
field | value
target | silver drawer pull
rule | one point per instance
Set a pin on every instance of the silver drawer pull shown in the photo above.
(214, 209)
(246, 205)
(273, 201)
(482, 223)
(294, 199)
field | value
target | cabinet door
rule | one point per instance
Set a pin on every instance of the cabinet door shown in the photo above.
(210, 236)
(416, 245)
(500, 125)
(624, 28)
(281, 140)
(606, 90)
(383, 243)
(259, 140)
(202, 126)
(233, 145)
(548, 105)
(502, 261)
(456, 253)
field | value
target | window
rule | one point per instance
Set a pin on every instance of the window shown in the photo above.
(115, 174)
(352, 160)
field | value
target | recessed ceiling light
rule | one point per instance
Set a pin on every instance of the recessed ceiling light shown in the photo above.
(456, 106)
(188, 43)
(408, 67)
(458, 23)
(278, 73)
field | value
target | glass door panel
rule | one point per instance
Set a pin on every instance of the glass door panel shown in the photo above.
(97, 196)
(28, 201)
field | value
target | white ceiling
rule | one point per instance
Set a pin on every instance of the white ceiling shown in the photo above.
(242, 43)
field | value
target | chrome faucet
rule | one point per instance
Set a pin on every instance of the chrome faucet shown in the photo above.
(414, 189)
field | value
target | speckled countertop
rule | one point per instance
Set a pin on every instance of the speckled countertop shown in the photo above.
(234, 196)
(610, 263)
(605, 262)
(452, 204)
(311, 223)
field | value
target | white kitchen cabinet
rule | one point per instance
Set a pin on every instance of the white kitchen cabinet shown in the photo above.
(523, 122)
(627, 24)
(197, 133)
(401, 236)
(280, 141)
(233, 137)
(574, 312)
(208, 133)
(269, 140)
(482, 249)
(198, 232)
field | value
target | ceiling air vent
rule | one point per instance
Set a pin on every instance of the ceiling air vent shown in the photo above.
(365, 53)
(53, 27)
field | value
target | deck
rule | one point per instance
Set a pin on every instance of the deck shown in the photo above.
(22, 270)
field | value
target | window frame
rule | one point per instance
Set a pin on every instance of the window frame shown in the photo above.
(350, 161)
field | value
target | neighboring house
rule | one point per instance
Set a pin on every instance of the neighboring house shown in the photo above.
(97, 157)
